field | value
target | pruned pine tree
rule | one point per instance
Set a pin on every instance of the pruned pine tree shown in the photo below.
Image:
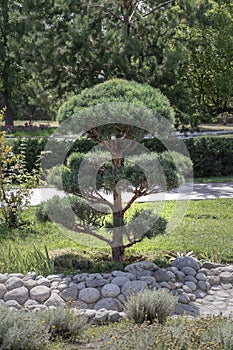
(118, 164)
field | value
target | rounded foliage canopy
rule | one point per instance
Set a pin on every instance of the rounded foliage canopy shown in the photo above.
(118, 90)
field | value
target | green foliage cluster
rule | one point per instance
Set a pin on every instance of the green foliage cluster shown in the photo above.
(25, 330)
(211, 156)
(32, 150)
(174, 45)
(118, 90)
(15, 182)
(150, 306)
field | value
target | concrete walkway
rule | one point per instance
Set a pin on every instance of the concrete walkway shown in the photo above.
(186, 192)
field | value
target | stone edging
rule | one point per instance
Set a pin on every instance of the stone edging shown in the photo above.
(101, 296)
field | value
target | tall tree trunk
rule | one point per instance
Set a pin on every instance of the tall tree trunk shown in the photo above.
(9, 114)
(9, 117)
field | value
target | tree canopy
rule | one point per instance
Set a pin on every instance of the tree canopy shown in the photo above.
(51, 50)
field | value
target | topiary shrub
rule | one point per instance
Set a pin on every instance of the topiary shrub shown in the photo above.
(150, 306)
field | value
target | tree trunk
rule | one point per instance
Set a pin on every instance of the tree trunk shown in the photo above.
(9, 114)
(118, 218)
(118, 253)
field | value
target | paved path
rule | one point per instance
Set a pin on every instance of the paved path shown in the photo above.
(196, 191)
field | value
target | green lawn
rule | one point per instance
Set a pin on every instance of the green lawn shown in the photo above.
(206, 229)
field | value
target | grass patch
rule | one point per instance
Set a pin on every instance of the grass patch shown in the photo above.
(206, 229)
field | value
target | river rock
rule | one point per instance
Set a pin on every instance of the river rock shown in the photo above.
(20, 295)
(186, 261)
(89, 295)
(40, 293)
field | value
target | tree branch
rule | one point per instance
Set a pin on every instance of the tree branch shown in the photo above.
(156, 8)
(128, 205)
(99, 199)
(86, 230)
(109, 11)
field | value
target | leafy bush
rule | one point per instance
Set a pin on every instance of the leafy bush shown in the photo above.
(211, 156)
(15, 183)
(32, 150)
(21, 330)
(150, 305)
(64, 323)
(149, 222)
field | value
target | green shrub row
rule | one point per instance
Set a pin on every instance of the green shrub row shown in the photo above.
(211, 156)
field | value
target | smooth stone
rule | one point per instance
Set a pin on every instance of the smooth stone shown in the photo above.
(189, 271)
(133, 287)
(3, 278)
(40, 293)
(30, 283)
(191, 285)
(226, 277)
(70, 294)
(186, 261)
(3, 290)
(213, 280)
(55, 300)
(190, 278)
(120, 280)
(203, 285)
(13, 282)
(43, 282)
(209, 265)
(89, 295)
(18, 275)
(161, 275)
(101, 315)
(13, 304)
(110, 290)
(109, 304)
(201, 276)
(20, 295)
(184, 298)
(113, 316)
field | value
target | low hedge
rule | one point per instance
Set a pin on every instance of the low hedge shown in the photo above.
(211, 156)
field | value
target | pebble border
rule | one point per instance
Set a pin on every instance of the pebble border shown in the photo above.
(101, 296)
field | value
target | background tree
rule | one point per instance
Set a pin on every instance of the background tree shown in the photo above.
(10, 65)
(117, 168)
(207, 73)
